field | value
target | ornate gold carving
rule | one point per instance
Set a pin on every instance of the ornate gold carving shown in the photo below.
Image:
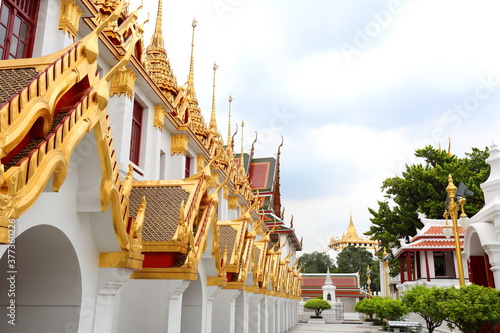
(232, 202)
(123, 82)
(157, 63)
(159, 117)
(69, 18)
(179, 144)
(214, 179)
(200, 162)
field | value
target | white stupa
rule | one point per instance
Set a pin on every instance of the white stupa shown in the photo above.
(328, 288)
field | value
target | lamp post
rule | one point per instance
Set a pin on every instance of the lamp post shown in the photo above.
(452, 211)
(386, 258)
(368, 281)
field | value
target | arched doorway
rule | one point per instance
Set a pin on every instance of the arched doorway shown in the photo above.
(479, 263)
(45, 284)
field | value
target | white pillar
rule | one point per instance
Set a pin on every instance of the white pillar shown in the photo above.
(493, 252)
(224, 304)
(212, 292)
(111, 280)
(175, 307)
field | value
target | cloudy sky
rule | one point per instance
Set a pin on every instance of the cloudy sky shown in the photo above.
(353, 86)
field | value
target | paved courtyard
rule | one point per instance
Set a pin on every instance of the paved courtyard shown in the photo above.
(337, 328)
(351, 324)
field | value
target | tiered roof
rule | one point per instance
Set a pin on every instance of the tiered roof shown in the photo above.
(430, 237)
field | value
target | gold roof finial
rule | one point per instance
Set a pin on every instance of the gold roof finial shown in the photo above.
(351, 229)
(157, 38)
(449, 148)
(157, 63)
(191, 64)
(213, 122)
(229, 143)
(242, 159)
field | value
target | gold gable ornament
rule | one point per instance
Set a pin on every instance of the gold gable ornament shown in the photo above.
(179, 144)
(69, 18)
(159, 118)
(123, 82)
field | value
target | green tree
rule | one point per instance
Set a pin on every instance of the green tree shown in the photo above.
(471, 307)
(421, 188)
(318, 305)
(389, 309)
(316, 262)
(354, 259)
(367, 306)
(423, 301)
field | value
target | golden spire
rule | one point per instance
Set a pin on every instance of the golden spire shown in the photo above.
(242, 160)
(191, 64)
(213, 122)
(197, 121)
(449, 148)
(157, 38)
(351, 229)
(157, 63)
(229, 141)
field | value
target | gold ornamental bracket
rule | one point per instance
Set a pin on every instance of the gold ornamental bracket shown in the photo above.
(179, 144)
(70, 17)
(159, 117)
(123, 82)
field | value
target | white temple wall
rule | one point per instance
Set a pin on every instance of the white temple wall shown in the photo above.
(48, 27)
(224, 311)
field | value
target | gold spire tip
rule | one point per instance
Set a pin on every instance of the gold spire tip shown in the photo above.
(194, 23)
(230, 99)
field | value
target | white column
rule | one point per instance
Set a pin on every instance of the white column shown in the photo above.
(493, 252)
(224, 304)
(111, 280)
(175, 307)
(255, 316)
(212, 292)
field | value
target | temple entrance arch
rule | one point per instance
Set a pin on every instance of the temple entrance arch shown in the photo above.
(479, 263)
(46, 283)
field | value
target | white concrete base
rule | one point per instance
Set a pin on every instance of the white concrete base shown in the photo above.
(316, 321)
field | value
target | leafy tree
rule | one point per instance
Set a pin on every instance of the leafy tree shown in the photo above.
(389, 309)
(318, 305)
(471, 307)
(423, 301)
(367, 306)
(354, 259)
(316, 262)
(421, 188)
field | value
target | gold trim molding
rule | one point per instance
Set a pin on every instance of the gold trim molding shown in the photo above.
(123, 82)
(201, 162)
(159, 118)
(179, 144)
(232, 202)
(69, 18)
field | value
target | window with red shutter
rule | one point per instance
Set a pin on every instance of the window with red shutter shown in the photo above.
(17, 28)
(187, 170)
(135, 135)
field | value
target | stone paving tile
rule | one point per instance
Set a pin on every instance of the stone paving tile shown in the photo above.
(337, 328)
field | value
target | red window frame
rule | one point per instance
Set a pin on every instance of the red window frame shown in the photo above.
(187, 169)
(135, 135)
(17, 28)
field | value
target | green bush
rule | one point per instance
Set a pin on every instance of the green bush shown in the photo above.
(366, 306)
(317, 305)
(390, 309)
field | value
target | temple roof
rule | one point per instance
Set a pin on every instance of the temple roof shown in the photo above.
(162, 213)
(347, 284)
(351, 238)
(12, 80)
(430, 237)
